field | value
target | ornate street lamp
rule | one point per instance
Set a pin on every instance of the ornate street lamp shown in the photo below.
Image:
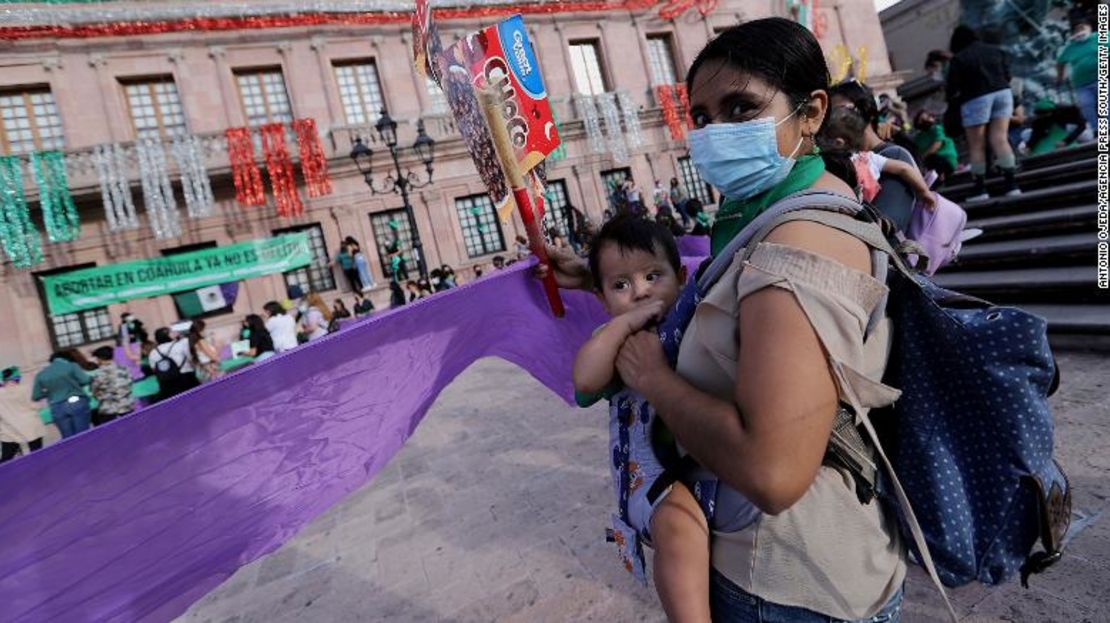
(396, 182)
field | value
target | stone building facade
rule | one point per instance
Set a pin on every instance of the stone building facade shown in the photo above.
(78, 92)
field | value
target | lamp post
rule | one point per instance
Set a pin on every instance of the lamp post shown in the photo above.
(395, 182)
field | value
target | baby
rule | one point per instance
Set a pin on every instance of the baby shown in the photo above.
(844, 131)
(638, 277)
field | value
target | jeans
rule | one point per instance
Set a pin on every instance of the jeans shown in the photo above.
(731, 604)
(71, 417)
(1086, 98)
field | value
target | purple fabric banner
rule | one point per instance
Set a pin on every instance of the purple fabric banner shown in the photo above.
(138, 519)
(693, 246)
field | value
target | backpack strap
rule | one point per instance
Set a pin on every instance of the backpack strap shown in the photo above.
(873, 237)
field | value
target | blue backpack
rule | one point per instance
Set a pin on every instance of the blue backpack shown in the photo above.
(968, 445)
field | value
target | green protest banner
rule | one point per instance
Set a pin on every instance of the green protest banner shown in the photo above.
(98, 286)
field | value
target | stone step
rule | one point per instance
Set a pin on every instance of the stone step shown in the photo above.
(1086, 319)
(1060, 156)
(1030, 180)
(1057, 220)
(1063, 196)
(1023, 281)
(1027, 249)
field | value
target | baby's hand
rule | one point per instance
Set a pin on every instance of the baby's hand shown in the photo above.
(640, 317)
(929, 200)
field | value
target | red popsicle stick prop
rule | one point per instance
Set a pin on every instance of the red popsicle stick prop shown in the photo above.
(504, 147)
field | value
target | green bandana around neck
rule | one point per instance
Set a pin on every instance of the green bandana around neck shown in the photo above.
(734, 215)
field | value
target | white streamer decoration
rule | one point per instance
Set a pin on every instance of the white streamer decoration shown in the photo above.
(195, 185)
(161, 207)
(587, 111)
(607, 102)
(115, 189)
(633, 134)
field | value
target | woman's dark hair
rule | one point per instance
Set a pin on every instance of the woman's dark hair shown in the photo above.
(782, 53)
(839, 163)
(273, 308)
(104, 353)
(255, 323)
(632, 233)
(962, 37)
(196, 334)
(61, 354)
(162, 336)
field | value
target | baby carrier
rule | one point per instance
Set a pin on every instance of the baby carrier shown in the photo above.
(967, 448)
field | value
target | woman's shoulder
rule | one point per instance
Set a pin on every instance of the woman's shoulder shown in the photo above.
(822, 239)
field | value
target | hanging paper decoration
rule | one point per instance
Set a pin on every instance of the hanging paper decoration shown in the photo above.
(633, 134)
(59, 214)
(195, 184)
(560, 152)
(588, 112)
(280, 168)
(665, 96)
(158, 199)
(115, 190)
(18, 235)
(314, 166)
(607, 103)
(684, 100)
(244, 171)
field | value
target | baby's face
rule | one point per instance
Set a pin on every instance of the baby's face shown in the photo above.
(631, 278)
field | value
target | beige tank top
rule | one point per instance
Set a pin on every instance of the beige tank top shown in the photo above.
(828, 553)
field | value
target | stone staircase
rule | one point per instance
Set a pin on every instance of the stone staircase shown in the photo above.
(1038, 249)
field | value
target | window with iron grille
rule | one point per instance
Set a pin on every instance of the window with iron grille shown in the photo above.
(78, 328)
(692, 182)
(554, 214)
(30, 121)
(585, 61)
(392, 233)
(317, 276)
(480, 226)
(155, 107)
(661, 52)
(360, 91)
(613, 178)
(263, 96)
(436, 96)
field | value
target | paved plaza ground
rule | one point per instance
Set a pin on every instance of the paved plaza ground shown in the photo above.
(495, 510)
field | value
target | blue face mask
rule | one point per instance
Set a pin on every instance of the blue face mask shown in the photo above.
(741, 159)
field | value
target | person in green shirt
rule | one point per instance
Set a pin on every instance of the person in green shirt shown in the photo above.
(61, 384)
(935, 149)
(346, 261)
(1079, 61)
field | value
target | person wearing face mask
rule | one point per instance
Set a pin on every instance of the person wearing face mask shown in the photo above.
(255, 332)
(936, 150)
(1078, 60)
(753, 397)
(896, 199)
